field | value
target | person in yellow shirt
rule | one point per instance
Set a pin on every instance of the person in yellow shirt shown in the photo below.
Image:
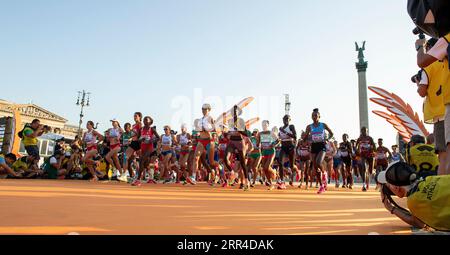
(29, 135)
(428, 199)
(430, 86)
(425, 58)
(6, 161)
(27, 167)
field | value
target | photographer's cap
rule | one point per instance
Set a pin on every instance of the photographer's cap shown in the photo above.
(398, 174)
(417, 139)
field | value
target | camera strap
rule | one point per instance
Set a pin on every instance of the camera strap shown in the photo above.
(396, 205)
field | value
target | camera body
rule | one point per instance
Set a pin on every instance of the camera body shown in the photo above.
(417, 77)
(418, 31)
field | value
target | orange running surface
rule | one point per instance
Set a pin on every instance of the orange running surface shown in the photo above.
(63, 206)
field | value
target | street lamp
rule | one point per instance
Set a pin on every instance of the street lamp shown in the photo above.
(287, 104)
(84, 96)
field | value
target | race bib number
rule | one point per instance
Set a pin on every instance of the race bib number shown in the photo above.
(365, 147)
(222, 146)
(304, 153)
(147, 139)
(317, 138)
(265, 145)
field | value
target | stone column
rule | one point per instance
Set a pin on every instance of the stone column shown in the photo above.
(361, 66)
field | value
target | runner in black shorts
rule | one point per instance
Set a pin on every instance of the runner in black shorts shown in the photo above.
(316, 132)
(345, 149)
(135, 145)
(288, 137)
(303, 161)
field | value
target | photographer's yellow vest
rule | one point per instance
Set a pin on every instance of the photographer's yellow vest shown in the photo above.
(422, 157)
(430, 202)
(433, 106)
(446, 77)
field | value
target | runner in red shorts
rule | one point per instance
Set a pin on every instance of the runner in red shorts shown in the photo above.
(366, 147)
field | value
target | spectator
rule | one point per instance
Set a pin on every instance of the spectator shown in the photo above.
(60, 145)
(5, 166)
(77, 142)
(422, 156)
(428, 199)
(53, 166)
(74, 168)
(30, 134)
(27, 167)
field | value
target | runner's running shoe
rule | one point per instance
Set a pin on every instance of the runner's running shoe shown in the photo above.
(136, 183)
(282, 186)
(190, 181)
(123, 178)
(321, 190)
(151, 181)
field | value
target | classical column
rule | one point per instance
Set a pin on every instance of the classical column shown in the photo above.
(361, 66)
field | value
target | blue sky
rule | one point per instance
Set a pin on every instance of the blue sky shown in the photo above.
(149, 56)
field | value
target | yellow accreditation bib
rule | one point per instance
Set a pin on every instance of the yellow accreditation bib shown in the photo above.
(422, 157)
(430, 202)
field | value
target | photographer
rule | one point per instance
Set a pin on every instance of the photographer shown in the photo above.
(53, 166)
(439, 52)
(27, 167)
(422, 156)
(429, 82)
(29, 136)
(5, 166)
(428, 200)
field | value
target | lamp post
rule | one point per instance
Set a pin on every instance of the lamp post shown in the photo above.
(84, 96)
(287, 104)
